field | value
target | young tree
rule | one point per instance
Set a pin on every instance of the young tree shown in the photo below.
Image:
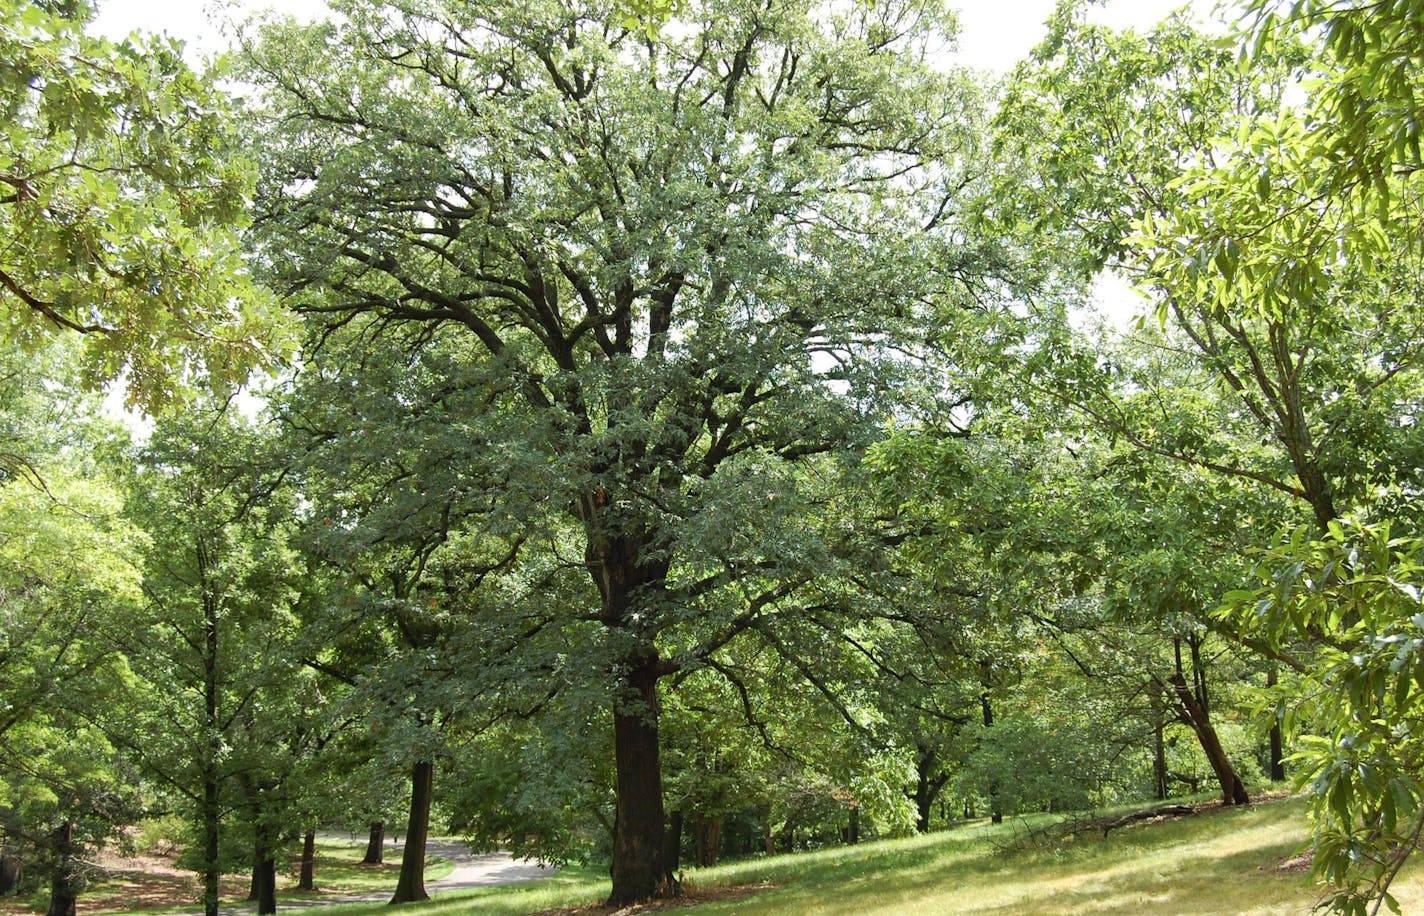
(214, 647)
(686, 255)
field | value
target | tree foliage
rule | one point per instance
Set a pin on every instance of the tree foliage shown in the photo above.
(120, 195)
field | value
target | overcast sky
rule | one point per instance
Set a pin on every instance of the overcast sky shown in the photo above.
(995, 33)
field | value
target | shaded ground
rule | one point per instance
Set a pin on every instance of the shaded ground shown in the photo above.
(143, 882)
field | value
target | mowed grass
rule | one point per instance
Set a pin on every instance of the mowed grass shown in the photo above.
(1219, 861)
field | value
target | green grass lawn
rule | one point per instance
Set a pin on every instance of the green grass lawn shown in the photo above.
(1219, 861)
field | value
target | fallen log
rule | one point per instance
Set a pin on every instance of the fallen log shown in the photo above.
(1149, 814)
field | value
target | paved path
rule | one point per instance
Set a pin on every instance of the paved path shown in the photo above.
(471, 870)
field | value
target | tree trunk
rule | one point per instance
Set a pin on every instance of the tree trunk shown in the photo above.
(212, 814)
(1278, 765)
(211, 804)
(411, 886)
(265, 875)
(709, 840)
(1159, 751)
(1192, 714)
(64, 883)
(640, 869)
(996, 812)
(376, 845)
(674, 842)
(11, 872)
(928, 784)
(307, 879)
(853, 829)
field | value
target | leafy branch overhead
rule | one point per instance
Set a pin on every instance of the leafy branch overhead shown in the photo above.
(121, 195)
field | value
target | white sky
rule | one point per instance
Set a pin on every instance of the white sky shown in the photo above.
(995, 33)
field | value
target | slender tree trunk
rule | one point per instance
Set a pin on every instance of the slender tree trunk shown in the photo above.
(1194, 714)
(1278, 764)
(1232, 790)
(768, 835)
(307, 879)
(853, 829)
(211, 848)
(64, 883)
(996, 812)
(411, 886)
(211, 804)
(376, 845)
(1159, 754)
(639, 864)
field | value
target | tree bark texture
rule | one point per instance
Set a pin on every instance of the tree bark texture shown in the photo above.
(264, 874)
(12, 872)
(640, 864)
(307, 878)
(709, 841)
(411, 886)
(376, 845)
(64, 881)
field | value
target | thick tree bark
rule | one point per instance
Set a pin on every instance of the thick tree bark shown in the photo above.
(11, 873)
(411, 886)
(639, 846)
(64, 881)
(307, 879)
(264, 873)
(376, 845)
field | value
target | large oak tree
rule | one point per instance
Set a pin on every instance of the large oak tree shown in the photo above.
(697, 256)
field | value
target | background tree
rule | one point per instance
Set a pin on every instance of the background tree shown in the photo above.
(214, 644)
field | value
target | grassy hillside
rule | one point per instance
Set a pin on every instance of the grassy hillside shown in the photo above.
(1219, 861)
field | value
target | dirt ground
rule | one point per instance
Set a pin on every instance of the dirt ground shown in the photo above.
(126, 883)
